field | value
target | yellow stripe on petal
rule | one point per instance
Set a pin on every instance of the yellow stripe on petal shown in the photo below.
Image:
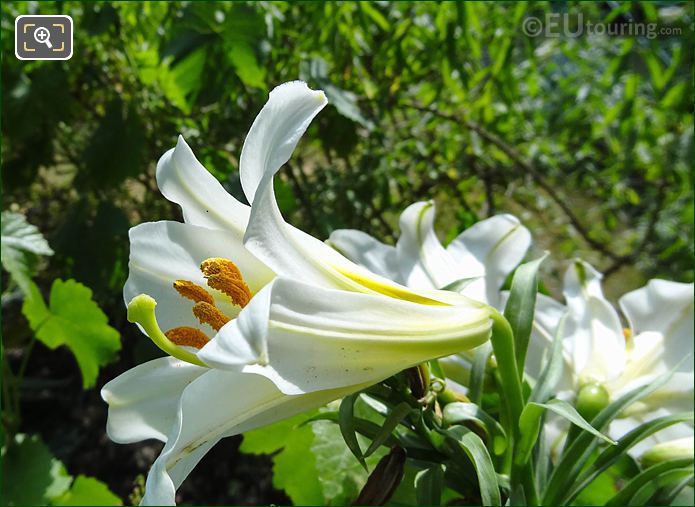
(391, 290)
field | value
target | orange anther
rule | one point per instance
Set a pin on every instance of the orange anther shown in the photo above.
(193, 292)
(187, 336)
(223, 275)
(209, 314)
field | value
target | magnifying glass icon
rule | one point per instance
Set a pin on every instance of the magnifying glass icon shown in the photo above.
(43, 36)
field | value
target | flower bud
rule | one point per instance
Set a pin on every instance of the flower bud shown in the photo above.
(419, 380)
(674, 449)
(384, 480)
(591, 399)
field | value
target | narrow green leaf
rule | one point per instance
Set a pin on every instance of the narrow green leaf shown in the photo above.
(645, 494)
(624, 496)
(464, 441)
(529, 424)
(346, 422)
(550, 375)
(459, 412)
(392, 420)
(428, 485)
(459, 285)
(521, 306)
(612, 454)
(477, 382)
(575, 457)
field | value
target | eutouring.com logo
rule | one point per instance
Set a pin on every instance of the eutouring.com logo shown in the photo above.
(555, 24)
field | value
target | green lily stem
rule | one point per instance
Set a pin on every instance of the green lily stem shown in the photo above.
(508, 373)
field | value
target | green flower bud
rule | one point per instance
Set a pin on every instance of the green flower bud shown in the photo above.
(675, 449)
(591, 399)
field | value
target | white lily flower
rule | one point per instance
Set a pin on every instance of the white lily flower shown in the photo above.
(603, 360)
(483, 256)
(264, 321)
(485, 253)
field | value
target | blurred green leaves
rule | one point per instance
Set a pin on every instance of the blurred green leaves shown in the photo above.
(73, 319)
(33, 476)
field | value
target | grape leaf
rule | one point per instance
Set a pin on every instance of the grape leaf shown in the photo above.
(72, 318)
(313, 465)
(88, 491)
(21, 243)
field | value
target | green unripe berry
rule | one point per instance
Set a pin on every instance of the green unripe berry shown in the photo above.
(591, 399)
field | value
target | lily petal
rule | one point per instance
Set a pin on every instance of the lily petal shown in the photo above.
(184, 180)
(143, 401)
(499, 243)
(665, 308)
(217, 405)
(162, 252)
(322, 338)
(286, 250)
(423, 261)
(546, 321)
(367, 251)
(269, 144)
(581, 281)
(595, 342)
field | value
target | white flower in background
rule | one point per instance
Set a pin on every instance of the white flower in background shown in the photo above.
(481, 257)
(485, 253)
(263, 321)
(603, 360)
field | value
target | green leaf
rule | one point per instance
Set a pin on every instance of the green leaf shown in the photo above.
(462, 440)
(243, 59)
(295, 469)
(626, 442)
(574, 457)
(529, 424)
(549, 377)
(88, 491)
(624, 496)
(294, 466)
(521, 306)
(394, 417)
(31, 474)
(459, 412)
(481, 355)
(340, 475)
(429, 484)
(347, 427)
(73, 319)
(20, 243)
(311, 463)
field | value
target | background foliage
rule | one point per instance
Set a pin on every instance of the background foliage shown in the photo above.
(588, 139)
